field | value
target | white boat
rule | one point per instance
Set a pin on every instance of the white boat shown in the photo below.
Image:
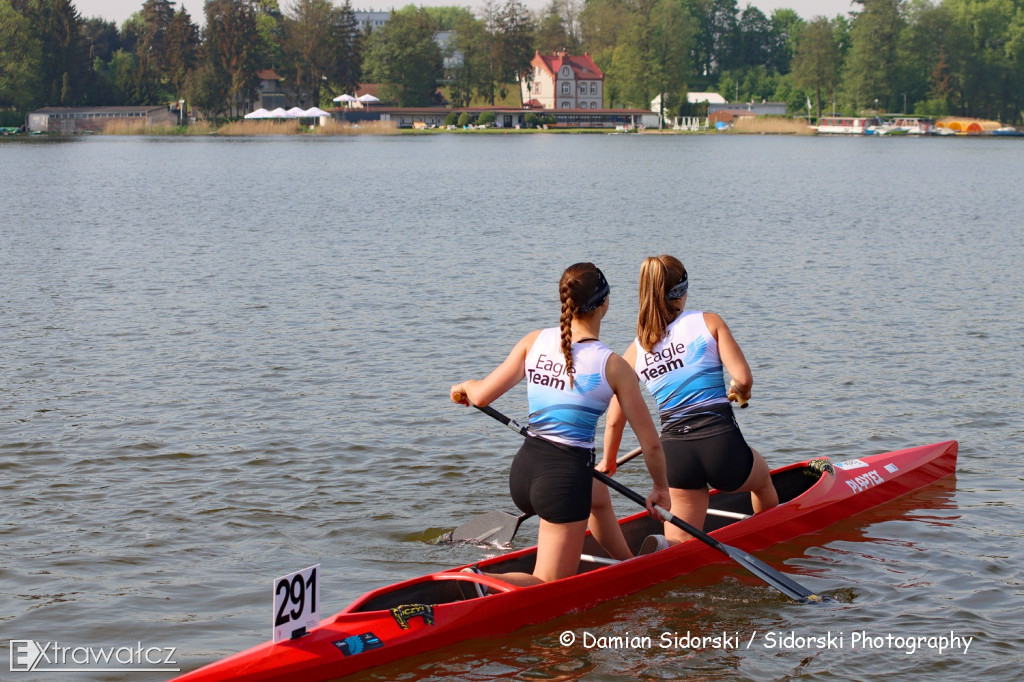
(903, 125)
(845, 125)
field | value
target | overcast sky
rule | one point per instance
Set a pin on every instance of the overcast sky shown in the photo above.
(119, 10)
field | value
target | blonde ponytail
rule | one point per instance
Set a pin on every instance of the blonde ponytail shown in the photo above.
(657, 276)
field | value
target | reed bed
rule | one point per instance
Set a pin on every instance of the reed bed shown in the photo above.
(769, 125)
(260, 127)
(136, 127)
(335, 127)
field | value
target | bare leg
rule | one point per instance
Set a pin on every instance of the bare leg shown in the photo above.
(559, 546)
(763, 495)
(690, 506)
(605, 526)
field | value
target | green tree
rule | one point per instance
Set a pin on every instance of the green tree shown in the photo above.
(513, 30)
(207, 88)
(230, 42)
(601, 24)
(403, 56)
(151, 50)
(652, 57)
(871, 69)
(716, 47)
(983, 67)
(469, 61)
(21, 55)
(816, 63)
(270, 34)
(320, 48)
(64, 63)
(756, 41)
(786, 28)
(181, 51)
(557, 28)
(101, 37)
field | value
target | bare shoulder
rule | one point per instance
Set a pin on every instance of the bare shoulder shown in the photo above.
(523, 346)
(617, 369)
(714, 321)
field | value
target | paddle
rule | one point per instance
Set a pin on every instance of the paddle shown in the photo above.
(779, 581)
(500, 527)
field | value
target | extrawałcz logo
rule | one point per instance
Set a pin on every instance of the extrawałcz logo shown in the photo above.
(31, 656)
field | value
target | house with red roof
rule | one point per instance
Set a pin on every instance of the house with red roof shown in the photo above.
(563, 81)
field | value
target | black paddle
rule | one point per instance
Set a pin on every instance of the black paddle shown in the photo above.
(779, 581)
(500, 527)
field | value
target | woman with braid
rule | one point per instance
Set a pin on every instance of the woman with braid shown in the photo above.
(571, 377)
(679, 356)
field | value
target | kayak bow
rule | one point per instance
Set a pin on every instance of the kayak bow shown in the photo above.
(440, 609)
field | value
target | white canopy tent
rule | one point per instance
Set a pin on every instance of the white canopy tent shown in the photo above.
(259, 113)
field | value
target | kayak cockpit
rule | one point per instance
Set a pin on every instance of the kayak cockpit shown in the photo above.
(447, 587)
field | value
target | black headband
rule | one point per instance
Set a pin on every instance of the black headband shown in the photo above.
(600, 294)
(679, 290)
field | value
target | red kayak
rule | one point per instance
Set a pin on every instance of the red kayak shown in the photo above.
(437, 610)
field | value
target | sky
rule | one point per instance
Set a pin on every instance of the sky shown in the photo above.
(119, 10)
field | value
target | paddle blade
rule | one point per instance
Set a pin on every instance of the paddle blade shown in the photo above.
(779, 581)
(495, 527)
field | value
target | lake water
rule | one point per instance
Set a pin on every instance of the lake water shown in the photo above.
(224, 360)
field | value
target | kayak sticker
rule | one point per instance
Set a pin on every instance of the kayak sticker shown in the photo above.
(859, 484)
(852, 464)
(357, 644)
(405, 613)
(891, 468)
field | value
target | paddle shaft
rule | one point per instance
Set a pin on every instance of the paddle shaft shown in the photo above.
(778, 580)
(667, 515)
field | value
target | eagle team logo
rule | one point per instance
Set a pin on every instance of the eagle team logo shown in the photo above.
(585, 383)
(674, 356)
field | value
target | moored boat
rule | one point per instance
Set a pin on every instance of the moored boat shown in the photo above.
(845, 125)
(440, 609)
(902, 125)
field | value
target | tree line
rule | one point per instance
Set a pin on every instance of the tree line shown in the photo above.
(926, 57)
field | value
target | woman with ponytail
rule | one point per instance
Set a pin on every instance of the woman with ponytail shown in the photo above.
(571, 378)
(680, 357)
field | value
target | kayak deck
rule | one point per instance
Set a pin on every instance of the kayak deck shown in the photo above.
(442, 608)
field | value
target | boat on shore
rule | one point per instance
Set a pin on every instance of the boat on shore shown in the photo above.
(443, 608)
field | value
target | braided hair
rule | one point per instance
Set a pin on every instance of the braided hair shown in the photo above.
(582, 289)
(658, 277)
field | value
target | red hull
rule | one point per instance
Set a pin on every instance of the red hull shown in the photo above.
(392, 622)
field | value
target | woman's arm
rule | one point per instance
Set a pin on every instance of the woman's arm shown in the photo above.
(732, 357)
(615, 423)
(627, 390)
(510, 372)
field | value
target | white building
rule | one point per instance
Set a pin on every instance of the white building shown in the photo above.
(564, 81)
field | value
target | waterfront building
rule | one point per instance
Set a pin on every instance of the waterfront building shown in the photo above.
(70, 120)
(563, 81)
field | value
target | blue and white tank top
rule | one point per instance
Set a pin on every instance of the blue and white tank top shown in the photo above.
(560, 413)
(683, 371)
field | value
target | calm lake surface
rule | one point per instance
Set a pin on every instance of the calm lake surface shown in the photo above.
(223, 360)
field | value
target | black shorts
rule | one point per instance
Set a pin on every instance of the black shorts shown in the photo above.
(551, 480)
(723, 461)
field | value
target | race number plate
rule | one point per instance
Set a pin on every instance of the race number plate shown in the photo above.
(296, 603)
